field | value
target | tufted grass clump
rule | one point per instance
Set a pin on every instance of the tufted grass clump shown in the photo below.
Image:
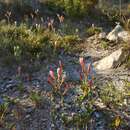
(93, 30)
(36, 98)
(112, 96)
(104, 44)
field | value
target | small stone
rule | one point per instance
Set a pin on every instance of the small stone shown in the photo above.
(27, 116)
(102, 35)
(52, 125)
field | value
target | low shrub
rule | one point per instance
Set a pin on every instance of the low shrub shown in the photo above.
(36, 98)
(21, 42)
(104, 44)
(93, 30)
(73, 8)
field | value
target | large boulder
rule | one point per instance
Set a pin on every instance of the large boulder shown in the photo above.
(111, 61)
(118, 33)
(113, 35)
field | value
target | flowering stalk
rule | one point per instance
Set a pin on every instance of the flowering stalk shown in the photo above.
(57, 80)
(86, 76)
(84, 69)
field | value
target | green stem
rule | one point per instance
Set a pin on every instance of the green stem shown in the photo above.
(2, 116)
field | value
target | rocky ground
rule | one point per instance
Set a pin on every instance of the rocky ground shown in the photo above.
(32, 118)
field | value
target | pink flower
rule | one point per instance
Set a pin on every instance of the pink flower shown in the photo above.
(60, 63)
(81, 61)
(51, 73)
(59, 72)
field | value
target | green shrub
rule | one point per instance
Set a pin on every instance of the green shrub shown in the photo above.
(36, 98)
(73, 8)
(68, 28)
(69, 42)
(78, 7)
(93, 30)
(104, 44)
(21, 42)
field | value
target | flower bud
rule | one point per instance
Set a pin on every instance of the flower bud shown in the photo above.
(59, 73)
(81, 61)
(51, 73)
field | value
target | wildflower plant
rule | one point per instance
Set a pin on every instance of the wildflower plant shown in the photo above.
(8, 15)
(57, 81)
(36, 98)
(17, 52)
(59, 89)
(86, 76)
(117, 122)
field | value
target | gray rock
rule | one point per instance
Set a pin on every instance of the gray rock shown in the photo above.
(113, 35)
(102, 35)
(72, 74)
(111, 61)
(118, 33)
(8, 85)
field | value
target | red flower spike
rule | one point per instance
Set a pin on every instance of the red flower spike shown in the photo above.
(81, 61)
(81, 77)
(61, 65)
(89, 68)
(59, 72)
